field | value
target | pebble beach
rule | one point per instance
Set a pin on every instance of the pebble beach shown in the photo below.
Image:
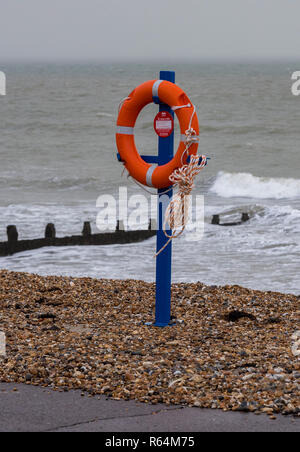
(230, 348)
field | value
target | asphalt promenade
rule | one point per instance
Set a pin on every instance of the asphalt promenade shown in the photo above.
(25, 408)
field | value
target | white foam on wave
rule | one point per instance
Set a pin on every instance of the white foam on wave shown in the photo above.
(103, 114)
(231, 185)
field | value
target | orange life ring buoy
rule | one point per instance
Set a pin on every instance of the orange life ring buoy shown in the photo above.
(173, 96)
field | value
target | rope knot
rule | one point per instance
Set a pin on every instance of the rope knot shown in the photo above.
(191, 136)
(185, 188)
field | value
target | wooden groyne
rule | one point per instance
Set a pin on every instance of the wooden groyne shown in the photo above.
(216, 220)
(120, 236)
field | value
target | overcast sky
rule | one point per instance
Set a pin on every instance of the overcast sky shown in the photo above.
(149, 29)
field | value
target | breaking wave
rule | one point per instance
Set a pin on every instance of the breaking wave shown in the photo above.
(231, 185)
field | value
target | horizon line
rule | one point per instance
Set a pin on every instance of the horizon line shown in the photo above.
(137, 60)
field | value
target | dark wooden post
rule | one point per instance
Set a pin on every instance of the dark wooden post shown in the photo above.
(245, 217)
(12, 233)
(50, 232)
(120, 226)
(215, 219)
(87, 230)
(152, 225)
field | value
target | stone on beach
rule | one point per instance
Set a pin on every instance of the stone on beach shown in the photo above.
(82, 333)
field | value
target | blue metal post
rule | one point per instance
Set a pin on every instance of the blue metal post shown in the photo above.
(164, 259)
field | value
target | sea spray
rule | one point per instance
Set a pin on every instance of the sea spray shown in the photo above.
(230, 185)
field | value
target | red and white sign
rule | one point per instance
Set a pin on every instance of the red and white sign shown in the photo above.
(163, 124)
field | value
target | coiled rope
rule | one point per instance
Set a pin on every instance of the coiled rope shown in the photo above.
(177, 212)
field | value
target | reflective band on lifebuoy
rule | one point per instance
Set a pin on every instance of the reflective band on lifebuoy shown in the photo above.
(125, 130)
(155, 96)
(158, 91)
(149, 175)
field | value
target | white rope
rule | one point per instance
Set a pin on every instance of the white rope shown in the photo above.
(177, 212)
(190, 133)
(122, 102)
(145, 189)
(186, 106)
(180, 106)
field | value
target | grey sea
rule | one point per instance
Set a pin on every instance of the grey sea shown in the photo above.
(58, 155)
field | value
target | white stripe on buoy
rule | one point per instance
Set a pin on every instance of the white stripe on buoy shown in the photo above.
(155, 88)
(125, 130)
(149, 175)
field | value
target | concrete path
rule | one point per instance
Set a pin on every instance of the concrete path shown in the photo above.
(32, 409)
